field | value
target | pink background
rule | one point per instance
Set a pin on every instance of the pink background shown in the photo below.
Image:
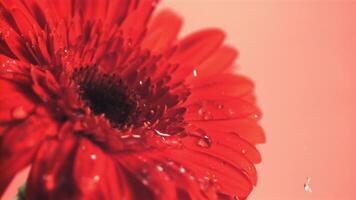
(302, 56)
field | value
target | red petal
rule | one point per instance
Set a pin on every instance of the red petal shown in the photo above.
(157, 171)
(97, 175)
(45, 85)
(162, 31)
(218, 62)
(220, 108)
(19, 145)
(50, 176)
(219, 86)
(135, 23)
(231, 179)
(194, 49)
(151, 174)
(249, 130)
(15, 102)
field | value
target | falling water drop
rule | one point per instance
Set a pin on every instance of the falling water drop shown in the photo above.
(307, 185)
(19, 113)
(204, 141)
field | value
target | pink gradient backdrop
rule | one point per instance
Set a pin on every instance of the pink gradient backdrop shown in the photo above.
(302, 56)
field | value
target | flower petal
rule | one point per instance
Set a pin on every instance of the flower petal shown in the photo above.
(134, 25)
(16, 102)
(194, 49)
(248, 130)
(19, 145)
(218, 62)
(167, 179)
(226, 84)
(209, 167)
(218, 108)
(97, 175)
(162, 31)
(50, 175)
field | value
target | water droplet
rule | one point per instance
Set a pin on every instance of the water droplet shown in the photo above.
(236, 197)
(220, 106)
(256, 116)
(182, 170)
(96, 178)
(19, 113)
(49, 182)
(161, 134)
(159, 168)
(195, 73)
(136, 136)
(207, 116)
(5, 34)
(243, 151)
(83, 147)
(231, 112)
(93, 156)
(140, 82)
(200, 111)
(307, 185)
(204, 142)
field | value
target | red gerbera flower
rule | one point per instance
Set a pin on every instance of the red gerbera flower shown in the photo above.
(104, 102)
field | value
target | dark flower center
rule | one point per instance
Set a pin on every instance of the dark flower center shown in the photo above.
(106, 94)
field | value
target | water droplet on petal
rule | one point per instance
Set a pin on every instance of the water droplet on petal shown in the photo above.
(83, 147)
(96, 178)
(220, 106)
(19, 113)
(243, 151)
(307, 186)
(236, 197)
(204, 141)
(182, 169)
(49, 182)
(161, 133)
(159, 168)
(200, 111)
(195, 73)
(93, 156)
(207, 116)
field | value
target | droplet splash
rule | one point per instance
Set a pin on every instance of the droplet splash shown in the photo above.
(307, 185)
